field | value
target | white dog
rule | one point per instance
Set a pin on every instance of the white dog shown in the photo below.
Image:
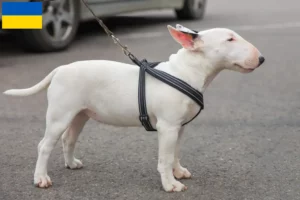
(107, 91)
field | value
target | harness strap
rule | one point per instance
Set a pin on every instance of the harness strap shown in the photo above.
(144, 117)
(172, 81)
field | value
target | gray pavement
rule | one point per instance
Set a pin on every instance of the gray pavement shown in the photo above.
(244, 146)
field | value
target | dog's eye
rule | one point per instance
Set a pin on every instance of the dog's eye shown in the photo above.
(230, 39)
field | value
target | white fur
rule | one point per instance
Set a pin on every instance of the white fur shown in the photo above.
(107, 92)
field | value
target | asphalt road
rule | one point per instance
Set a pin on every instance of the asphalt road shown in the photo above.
(244, 146)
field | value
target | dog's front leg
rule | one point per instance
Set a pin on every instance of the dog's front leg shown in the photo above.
(167, 138)
(179, 171)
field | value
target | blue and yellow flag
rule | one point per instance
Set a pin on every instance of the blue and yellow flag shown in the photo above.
(22, 15)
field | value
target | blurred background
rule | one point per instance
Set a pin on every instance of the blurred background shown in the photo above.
(61, 18)
(244, 145)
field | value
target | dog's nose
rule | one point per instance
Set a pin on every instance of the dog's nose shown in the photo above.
(261, 60)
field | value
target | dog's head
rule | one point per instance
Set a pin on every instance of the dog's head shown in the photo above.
(223, 47)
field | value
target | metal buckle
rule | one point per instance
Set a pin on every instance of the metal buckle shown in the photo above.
(144, 64)
(144, 118)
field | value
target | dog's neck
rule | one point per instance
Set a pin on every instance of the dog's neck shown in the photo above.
(193, 68)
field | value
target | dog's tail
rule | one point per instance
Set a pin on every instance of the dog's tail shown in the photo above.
(34, 89)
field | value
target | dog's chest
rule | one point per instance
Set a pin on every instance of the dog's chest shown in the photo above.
(191, 111)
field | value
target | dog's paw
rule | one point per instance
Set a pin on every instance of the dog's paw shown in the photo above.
(75, 164)
(42, 181)
(181, 173)
(174, 186)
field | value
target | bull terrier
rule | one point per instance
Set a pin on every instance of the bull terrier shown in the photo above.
(107, 91)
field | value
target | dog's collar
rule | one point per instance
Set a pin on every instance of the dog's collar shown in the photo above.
(174, 82)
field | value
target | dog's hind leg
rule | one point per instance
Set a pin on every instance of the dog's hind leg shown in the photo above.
(69, 139)
(179, 171)
(57, 121)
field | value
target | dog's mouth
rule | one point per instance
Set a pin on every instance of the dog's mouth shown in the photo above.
(243, 69)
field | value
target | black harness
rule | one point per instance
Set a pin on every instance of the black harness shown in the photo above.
(185, 88)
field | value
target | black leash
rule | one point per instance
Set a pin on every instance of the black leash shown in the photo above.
(147, 67)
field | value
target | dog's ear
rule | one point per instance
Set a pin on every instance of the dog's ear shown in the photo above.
(189, 39)
(185, 29)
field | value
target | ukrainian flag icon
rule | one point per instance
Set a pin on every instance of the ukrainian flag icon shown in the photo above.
(22, 15)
